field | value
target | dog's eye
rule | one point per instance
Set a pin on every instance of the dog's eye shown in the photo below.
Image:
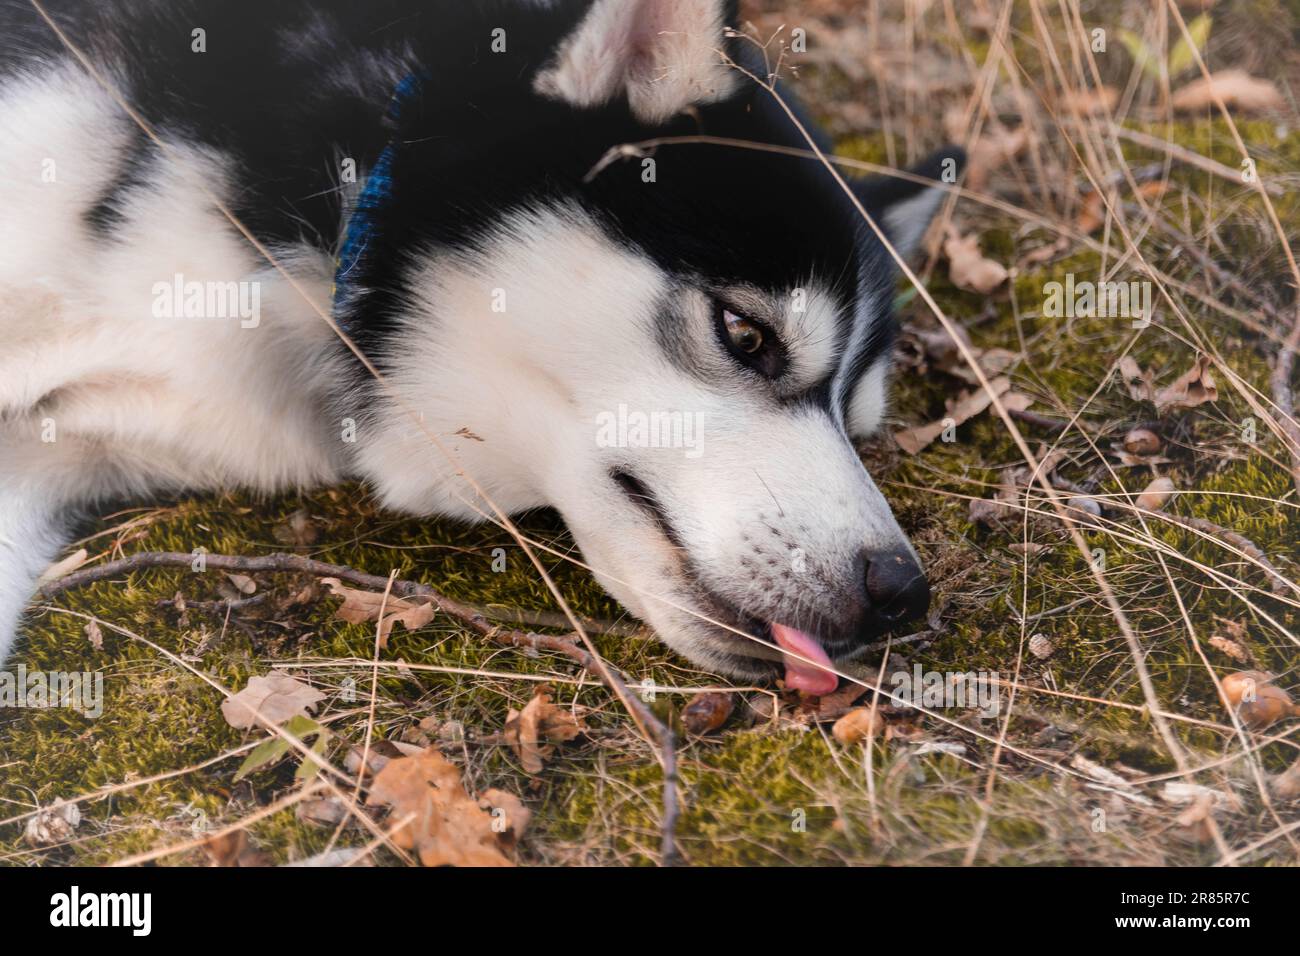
(744, 334)
(751, 343)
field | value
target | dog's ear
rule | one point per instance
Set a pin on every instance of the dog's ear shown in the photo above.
(903, 208)
(662, 54)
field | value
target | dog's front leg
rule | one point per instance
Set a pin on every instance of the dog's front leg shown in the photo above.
(33, 528)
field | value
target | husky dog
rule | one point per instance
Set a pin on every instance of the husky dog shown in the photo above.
(428, 172)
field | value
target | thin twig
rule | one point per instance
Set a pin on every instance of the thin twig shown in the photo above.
(1277, 583)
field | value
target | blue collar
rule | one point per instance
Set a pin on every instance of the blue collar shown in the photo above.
(375, 194)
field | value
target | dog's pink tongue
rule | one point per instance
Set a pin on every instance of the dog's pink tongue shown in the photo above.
(804, 674)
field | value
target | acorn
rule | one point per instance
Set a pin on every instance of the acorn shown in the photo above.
(1258, 702)
(707, 712)
(1142, 441)
(1155, 495)
(858, 724)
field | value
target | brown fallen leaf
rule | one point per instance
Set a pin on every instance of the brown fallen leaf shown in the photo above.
(1140, 383)
(1194, 387)
(437, 819)
(1099, 773)
(1088, 100)
(993, 150)
(53, 825)
(232, 849)
(708, 712)
(934, 348)
(968, 268)
(838, 703)
(360, 761)
(1230, 647)
(1196, 819)
(1238, 90)
(510, 817)
(990, 512)
(322, 811)
(276, 697)
(1045, 253)
(360, 607)
(1092, 214)
(297, 531)
(533, 732)
(1041, 646)
(1286, 785)
(1030, 548)
(967, 406)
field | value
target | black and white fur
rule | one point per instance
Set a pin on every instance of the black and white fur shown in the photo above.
(613, 291)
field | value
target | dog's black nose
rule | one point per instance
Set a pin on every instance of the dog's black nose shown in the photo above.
(896, 587)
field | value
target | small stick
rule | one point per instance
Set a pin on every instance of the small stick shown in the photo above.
(470, 617)
(1276, 582)
(1042, 421)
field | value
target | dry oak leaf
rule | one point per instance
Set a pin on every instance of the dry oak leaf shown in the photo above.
(437, 819)
(533, 732)
(994, 149)
(1194, 387)
(53, 825)
(1092, 214)
(967, 267)
(1230, 647)
(232, 849)
(1140, 383)
(1092, 99)
(359, 607)
(509, 813)
(970, 404)
(1286, 785)
(275, 697)
(1236, 88)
